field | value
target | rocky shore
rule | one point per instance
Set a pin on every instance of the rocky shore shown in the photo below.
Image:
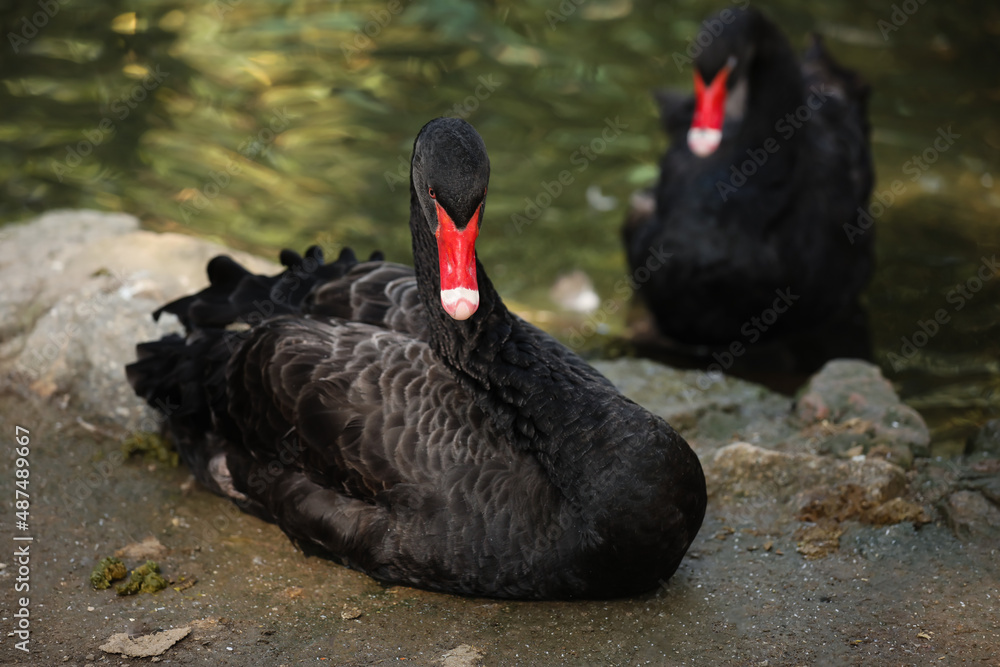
(831, 536)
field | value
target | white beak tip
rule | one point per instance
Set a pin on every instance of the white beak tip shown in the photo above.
(460, 302)
(703, 141)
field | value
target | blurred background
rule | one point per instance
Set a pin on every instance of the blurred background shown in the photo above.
(274, 123)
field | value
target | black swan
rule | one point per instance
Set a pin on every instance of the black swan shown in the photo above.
(758, 226)
(406, 424)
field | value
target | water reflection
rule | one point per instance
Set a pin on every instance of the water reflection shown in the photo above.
(290, 123)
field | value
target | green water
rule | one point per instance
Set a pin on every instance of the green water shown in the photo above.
(270, 124)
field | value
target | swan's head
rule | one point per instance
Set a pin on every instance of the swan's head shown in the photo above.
(450, 173)
(705, 134)
(728, 46)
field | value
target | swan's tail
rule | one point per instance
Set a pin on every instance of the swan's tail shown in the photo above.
(237, 297)
(184, 377)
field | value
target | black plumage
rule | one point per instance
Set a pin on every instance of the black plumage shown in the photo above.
(474, 456)
(765, 211)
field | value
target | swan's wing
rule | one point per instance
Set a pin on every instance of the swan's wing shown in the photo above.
(356, 408)
(380, 293)
(358, 440)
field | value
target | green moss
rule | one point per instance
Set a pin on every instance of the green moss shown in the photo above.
(145, 579)
(130, 587)
(150, 446)
(108, 570)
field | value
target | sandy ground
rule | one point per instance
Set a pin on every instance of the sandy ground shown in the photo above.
(892, 595)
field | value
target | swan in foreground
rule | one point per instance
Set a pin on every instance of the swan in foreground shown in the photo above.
(409, 426)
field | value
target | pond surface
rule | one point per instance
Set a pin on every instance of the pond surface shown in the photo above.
(270, 124)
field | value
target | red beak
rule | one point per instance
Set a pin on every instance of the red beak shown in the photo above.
(457, 255)
(709, 112)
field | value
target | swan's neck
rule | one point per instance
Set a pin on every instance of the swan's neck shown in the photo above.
(462, 344)
(492, 354)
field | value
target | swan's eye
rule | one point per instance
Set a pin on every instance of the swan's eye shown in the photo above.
(431, 192)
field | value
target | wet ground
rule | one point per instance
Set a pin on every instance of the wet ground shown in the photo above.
(891, 595)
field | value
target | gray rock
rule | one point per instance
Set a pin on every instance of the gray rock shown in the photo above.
(854, 393)
(990, 488)
(709, 410)
(34, 256)
(79, 290)
(847, 409)
(742, 470)
(971, 516)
